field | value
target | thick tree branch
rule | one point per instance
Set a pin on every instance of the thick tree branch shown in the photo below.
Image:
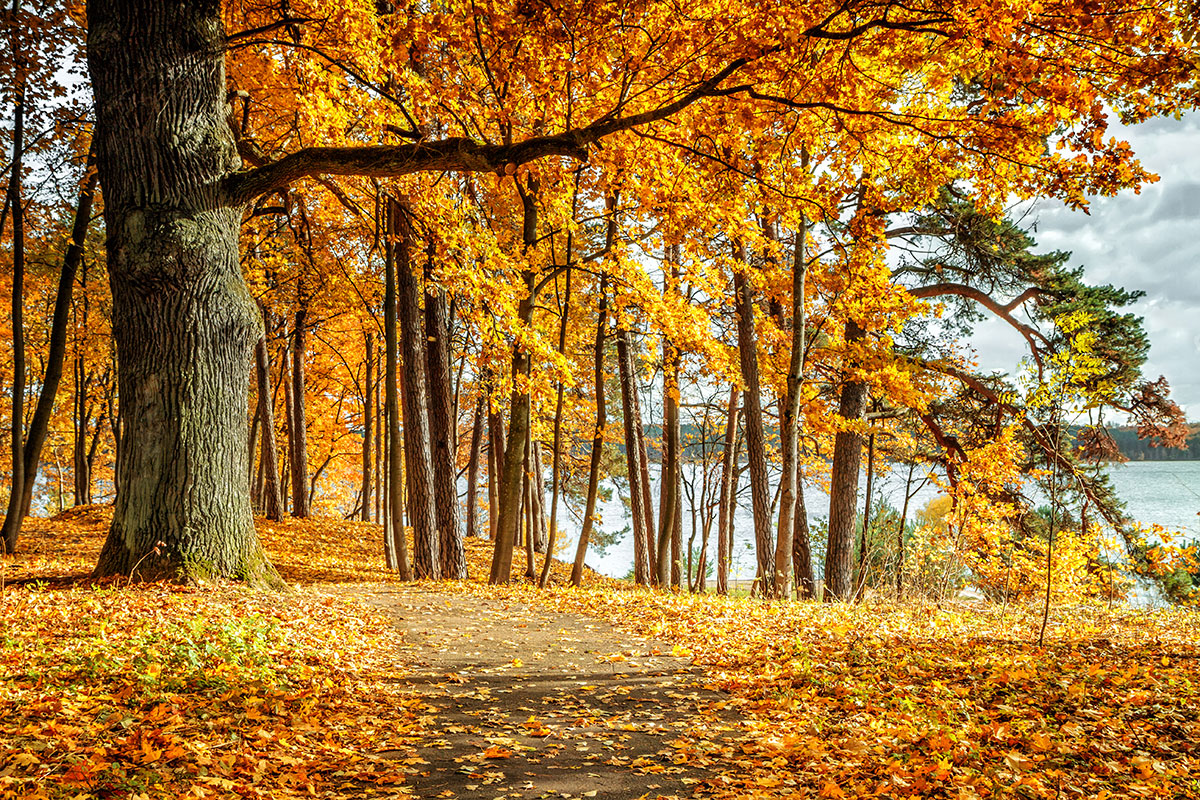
(454, 154)
(1002, 310)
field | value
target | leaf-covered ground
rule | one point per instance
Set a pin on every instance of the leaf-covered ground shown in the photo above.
(342, 688)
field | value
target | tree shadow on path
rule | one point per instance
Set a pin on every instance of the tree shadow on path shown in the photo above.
(533, 703)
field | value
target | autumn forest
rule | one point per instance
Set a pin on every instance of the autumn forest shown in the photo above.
(339, 330)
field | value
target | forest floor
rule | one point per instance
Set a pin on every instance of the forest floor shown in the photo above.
(353, 684)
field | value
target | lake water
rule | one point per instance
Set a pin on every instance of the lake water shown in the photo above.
(1163, 492)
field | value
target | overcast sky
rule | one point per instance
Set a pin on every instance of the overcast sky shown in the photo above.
(1148, 241)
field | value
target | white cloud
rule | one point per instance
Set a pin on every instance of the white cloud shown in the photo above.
(1148, 242)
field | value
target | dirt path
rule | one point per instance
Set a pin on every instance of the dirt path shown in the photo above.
(537, 704)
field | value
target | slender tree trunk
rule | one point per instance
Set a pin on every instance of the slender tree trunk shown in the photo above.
(531, 506)
(368, 425)
(597, 454)
(634, 452)
(473, 464)
(289, 417)
(806, 584)
(39, 425)
(843, 487)
(677, 539)
(115, 425)
(80, 420)
(380, 427)
(300, 484)
(755, 435)
(866, 524)
(511, 474)
(726, 501)
(442, 431)
(789, 431)
(394, 521)
(900, 533)
(12, 517)
(540, 531)
(273, 503)
(418, 461)
(670, 527)
(252, 438)
(184, 322)
(557, 443)
(495, 465)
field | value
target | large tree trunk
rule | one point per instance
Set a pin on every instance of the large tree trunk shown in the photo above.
(39, 425)
(415, 393)
(755, 435)
(843, 485)
(12, 517)
(183, 319)
(443, 423)
(589, 514)
(635, 453)
(727, 501)
(299, 440)
(789, 428)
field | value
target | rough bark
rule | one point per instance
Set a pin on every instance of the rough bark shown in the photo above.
(442, 431)
(183, 319)
(726, 501)
(755, 434)
(597, 454)
(843, 485)
(418, 453)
